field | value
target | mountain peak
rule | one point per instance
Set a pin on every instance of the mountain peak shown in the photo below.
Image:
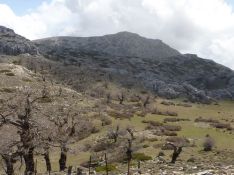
(124, 44)
(4, 29)
(126, 33)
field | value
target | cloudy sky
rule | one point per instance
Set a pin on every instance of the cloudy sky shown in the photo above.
(204, 27)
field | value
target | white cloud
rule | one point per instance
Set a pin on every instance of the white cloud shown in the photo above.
(195, 26)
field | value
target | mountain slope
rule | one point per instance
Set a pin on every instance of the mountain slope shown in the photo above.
(13, 44)
(120, 44)
(143, 62)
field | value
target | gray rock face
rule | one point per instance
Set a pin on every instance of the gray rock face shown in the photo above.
(13, 44)
(136, 60)
(124, 44)
(196, 95)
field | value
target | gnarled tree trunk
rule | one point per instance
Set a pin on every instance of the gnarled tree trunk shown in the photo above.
(176, 154)
(29, 161)
(47, 160)
(8, 160)
(63, 158)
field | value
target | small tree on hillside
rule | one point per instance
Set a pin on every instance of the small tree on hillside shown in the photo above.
(64, 132)
(121, 98)
(208, 143)
(114, 134)
(146, 101)
(177, 146)
(129, 154)
(70, 126)
(108, 98)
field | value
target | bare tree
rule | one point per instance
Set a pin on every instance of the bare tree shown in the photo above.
(60, 91)
(129, 154)
(46, 156)
(177, 150)
(121, 98)
(138, 98)
(44, 92)
(28, 129)
(21, 118)
(8, 153)
(63, 138)
(108, 98)
(8, 147)
(69, 126)
(9, 161)
(114, 134)
(131, 133)
(146, 101)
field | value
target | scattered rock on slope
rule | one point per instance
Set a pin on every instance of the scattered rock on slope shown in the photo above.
(13, 44)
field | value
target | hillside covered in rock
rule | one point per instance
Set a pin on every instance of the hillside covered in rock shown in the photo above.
(13, 44)
(136, 61)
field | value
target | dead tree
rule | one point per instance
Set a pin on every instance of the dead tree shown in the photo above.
(20, 113)
(63, 157)
(130, 131)
(108, 98)
(176, 152)
(8, 149)
(139, 167)
(24, 125)
(138, 97)
(121, 98)
(69, 171)
(35, 169)
(79, 171)
(60, 91)
(146, 101)
(114, 134)
(47, 159)
(43, 78)
(129, 154)
(90, 162)
(9, 161)
(44, 92)
(106, 164)
(65, 132)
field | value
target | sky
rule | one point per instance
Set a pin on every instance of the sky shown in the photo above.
(202, 27)
(21, 7)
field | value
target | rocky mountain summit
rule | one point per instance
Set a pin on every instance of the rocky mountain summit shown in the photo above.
(150, 63)
(123, 44)
(13, 44)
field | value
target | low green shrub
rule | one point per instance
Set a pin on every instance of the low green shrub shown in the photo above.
(145, 146)
(141, 157)
(26, 80)
(110, 167)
